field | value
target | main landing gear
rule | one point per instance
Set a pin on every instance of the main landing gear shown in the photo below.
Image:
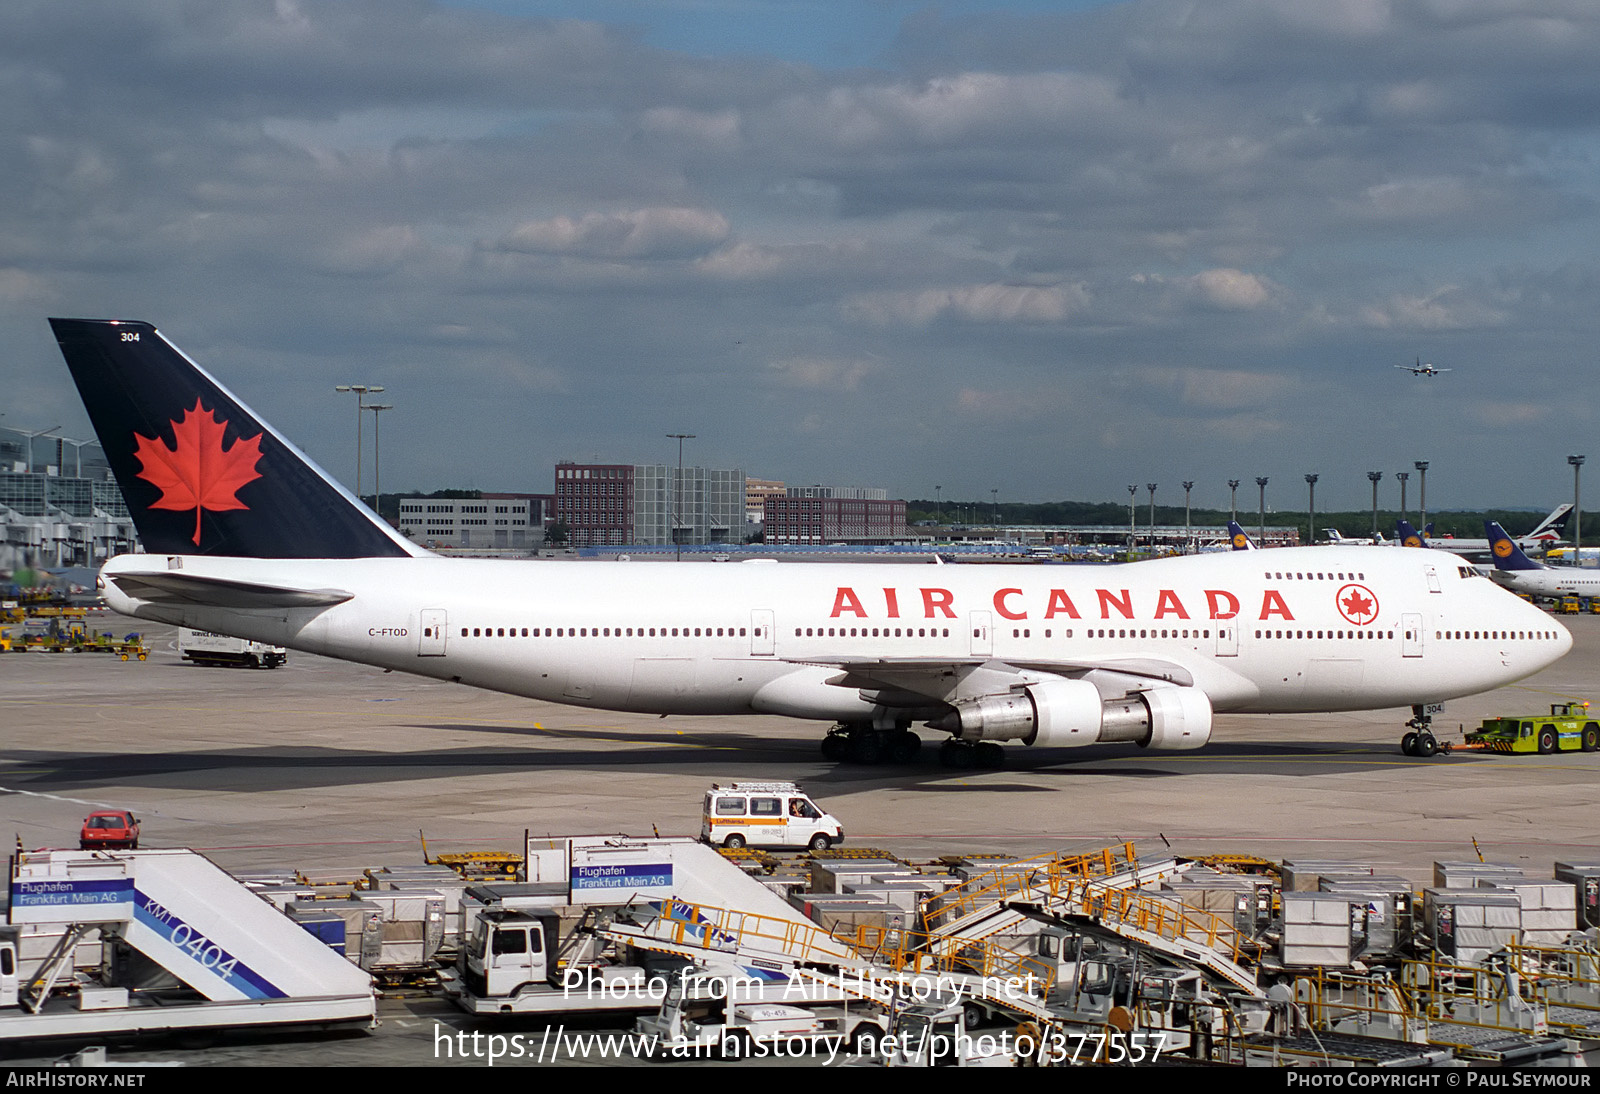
(864, 744)
(1420, 741)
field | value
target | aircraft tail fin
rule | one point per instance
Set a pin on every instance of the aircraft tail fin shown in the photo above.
(1555, 523)
(201, 473)
(1237, 537)
(1407, 535)
(1507, 555)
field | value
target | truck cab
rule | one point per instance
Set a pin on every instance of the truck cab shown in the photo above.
(766, 814)
(509, 950)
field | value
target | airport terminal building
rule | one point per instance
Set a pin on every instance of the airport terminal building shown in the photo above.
(59, 504)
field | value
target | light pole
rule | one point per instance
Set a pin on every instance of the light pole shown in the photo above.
(1262, 483)
(994, 506)
(1402, 476)
(1233, 500)
(1150, 486)
(31, 436)
(361, 391)
(938, 510)
(677, 490)
(1311, 515)
(377, 480)
(1422, 498)
(1187, 536)
(1133, 490)
(1374, 476)
(1577, 512)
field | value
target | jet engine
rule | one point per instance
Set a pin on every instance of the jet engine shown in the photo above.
(1061, 713)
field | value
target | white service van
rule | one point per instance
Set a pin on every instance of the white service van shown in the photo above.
(763, 814)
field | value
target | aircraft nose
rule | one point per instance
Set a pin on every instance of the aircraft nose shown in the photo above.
(1564, 636)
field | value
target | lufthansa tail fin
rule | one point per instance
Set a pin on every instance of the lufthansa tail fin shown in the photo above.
(201, 474)
(1237, 537)
(1507, 555)
(1409, 536)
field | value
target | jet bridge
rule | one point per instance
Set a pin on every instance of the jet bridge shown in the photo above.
(239, 960)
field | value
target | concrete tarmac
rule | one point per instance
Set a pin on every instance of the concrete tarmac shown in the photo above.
(322, 764)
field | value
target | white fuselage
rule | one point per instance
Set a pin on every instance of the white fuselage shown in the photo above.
(1300, 629)
(1551, 581)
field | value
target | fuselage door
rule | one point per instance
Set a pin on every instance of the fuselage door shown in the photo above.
(1227, 638)
(430, 636)
(1410, 634)
(982, 634)
(761, 632)
(1433, 579)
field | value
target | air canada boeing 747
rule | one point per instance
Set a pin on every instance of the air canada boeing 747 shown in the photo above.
(247, 537)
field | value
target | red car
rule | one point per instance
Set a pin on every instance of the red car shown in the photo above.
(110, 829)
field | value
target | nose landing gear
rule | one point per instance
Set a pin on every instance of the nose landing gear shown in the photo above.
(1420, 741)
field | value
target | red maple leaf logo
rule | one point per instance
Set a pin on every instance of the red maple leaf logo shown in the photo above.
(198, 473)
(1357, 604)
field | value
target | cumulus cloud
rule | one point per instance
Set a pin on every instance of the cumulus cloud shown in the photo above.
(1446, 308)
(640, 233)
(821, 373)
(993, 303)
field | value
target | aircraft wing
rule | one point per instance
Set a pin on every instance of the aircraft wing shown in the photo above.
(951, 681)
(177, 588)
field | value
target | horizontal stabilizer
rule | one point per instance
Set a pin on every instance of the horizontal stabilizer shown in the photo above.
(173, 588)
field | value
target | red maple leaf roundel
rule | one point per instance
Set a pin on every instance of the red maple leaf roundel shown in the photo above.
(198, 473)
(1357, 604)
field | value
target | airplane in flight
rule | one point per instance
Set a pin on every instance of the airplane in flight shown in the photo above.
(1519, 573)
(246, 536)
(1420, 369)
(1551, 530)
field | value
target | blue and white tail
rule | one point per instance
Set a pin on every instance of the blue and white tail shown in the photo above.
(1507, 555)
(1237, 537)
(201, 473)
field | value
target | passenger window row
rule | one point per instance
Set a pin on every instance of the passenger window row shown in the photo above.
(1313, 577)
(605, 632)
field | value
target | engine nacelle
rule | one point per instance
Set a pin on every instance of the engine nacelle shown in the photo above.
(1062, 713)
(1180, 718)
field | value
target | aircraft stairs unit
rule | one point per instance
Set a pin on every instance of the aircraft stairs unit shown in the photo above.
(978, 907)
(891, 963)
(1479, 1015)
(239, 960)
(1105, 887)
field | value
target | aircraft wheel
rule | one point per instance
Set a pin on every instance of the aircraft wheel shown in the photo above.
(1408, 744)
(956, 754)
(1547, 740)
(836, 747)
(1426, 745)
(734, 841)
(905, 748)
(989, 756)
(1591, 738)
(866, 747)
(820, 842)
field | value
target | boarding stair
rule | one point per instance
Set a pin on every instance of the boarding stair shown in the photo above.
(235, 952)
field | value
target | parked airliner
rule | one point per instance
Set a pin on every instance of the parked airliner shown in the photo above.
(248, 537)
(1519, 573)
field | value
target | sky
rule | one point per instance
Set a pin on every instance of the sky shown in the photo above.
(1023, 250)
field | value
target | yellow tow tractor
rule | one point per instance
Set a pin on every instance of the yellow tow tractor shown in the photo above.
(1569, 727)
